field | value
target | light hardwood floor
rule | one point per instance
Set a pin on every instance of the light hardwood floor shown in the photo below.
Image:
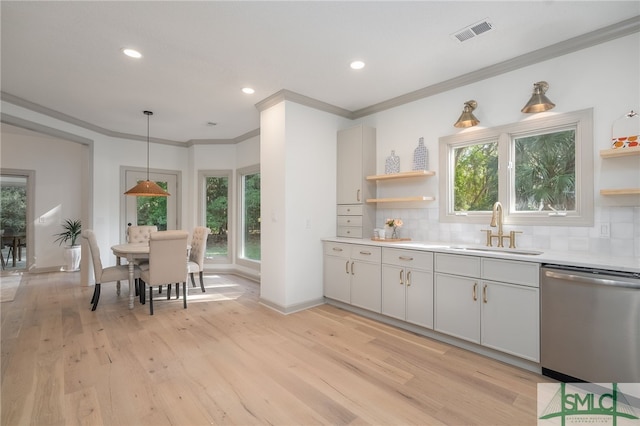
(229, 360)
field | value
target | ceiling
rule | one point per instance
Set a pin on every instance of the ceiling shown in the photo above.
(197, 56)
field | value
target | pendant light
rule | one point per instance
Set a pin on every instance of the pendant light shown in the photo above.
(539, 101)
(467, 119)
(147, 188)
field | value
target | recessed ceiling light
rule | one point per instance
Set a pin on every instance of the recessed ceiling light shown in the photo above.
(132, 53)
(248, 90)
(357, 65)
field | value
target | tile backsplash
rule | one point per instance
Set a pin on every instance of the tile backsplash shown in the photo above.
(623, 223)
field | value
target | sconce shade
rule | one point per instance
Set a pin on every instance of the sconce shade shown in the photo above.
(467, 119)
(147, 188)
(539, 102)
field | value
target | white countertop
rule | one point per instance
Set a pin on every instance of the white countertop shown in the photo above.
(588, 260)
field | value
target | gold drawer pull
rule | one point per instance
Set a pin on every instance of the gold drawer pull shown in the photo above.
(405, 258)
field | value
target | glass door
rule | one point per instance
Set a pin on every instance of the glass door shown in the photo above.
(159, 211)
(13, 221)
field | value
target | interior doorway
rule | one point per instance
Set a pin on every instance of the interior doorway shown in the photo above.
(15, 226)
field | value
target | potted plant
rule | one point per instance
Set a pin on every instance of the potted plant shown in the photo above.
(71, 232)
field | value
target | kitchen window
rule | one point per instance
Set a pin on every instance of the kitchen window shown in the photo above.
(541, 170)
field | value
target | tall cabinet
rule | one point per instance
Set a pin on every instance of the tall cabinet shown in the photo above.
(356, 160)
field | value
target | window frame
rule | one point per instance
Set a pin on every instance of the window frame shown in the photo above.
(202, 213)
(584, 146)
(240, 259)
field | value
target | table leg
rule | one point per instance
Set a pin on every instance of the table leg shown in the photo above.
(132, 284)
(118, 282)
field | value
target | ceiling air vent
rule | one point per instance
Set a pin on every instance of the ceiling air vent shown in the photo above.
(473, 30)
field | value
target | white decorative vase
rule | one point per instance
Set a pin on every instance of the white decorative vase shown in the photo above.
(72, 258)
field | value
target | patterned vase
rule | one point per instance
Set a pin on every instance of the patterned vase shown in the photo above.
(392, 164)
(420, 156)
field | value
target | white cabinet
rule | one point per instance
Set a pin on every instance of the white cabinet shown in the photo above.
(356, 149)
(352, 274)
(492, 302)
(407, 285)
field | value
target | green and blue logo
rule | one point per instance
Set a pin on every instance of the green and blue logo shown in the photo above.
(588, 404)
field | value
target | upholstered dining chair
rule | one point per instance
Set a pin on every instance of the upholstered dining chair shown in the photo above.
(196, 255)
(140, 234)
(104, 275)
(167, 263)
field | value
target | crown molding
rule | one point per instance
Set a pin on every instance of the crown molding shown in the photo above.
(288, 95)
(236, 140)
(40, 128)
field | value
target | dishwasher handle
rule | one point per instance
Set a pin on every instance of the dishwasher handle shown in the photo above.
(591, 280)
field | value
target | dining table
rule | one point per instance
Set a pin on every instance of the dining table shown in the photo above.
(131, 252)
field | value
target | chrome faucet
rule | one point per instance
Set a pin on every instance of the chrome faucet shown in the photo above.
(497, 218)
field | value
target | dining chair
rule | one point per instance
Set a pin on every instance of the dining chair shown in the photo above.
(196, 255)
(140, 234)
(167, 263)
(102, 275)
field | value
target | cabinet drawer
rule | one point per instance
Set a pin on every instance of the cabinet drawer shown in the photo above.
(349, 221)
(349, 231)
(409, 258)
(511, 271)
(468, 266)
(350, 210)
(366, 253)
(337, 249)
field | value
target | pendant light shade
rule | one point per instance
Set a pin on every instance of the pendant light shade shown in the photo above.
(539, 101)
(467, 119)
(147, 188)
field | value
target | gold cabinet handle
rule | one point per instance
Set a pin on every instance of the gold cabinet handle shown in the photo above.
(401, 277)
(336, 249)
(405, 258)
(475, 291)
(346, 267)
(358, 195)
(351, 268)
(366, 253)
(409, 279)
(484, 293)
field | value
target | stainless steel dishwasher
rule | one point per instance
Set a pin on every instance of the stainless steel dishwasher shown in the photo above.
(589, 324)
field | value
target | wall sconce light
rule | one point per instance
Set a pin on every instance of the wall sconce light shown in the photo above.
(467, 119)
(147, 188)
(539, 102)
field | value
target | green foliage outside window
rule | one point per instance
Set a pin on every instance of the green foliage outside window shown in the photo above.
(545, 172)
(13, 209)
(476, 177)
(153, 210)
(252, 216)
(217, 215)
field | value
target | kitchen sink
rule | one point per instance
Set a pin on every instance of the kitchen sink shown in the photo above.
(497, 250)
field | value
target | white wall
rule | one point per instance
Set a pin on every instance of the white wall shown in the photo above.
(59, 180)
(605, 77)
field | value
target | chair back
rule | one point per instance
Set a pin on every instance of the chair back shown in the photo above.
(199, 245)
(90, 236)
(140, 234)
(167, 257)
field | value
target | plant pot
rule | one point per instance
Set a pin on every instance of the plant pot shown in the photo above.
(72, 258)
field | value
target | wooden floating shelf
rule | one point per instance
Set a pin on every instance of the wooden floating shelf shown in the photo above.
(619, 152)
(399, 200)
(403, 175)
(623, 191)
